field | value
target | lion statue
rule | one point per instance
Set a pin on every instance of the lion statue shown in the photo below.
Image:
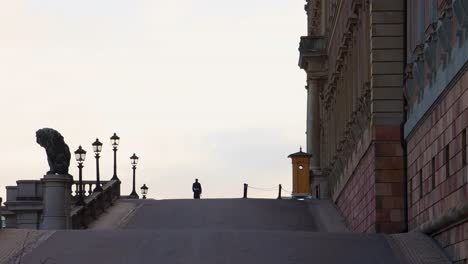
(58, 153)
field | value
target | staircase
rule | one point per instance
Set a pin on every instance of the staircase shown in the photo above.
(228, 231)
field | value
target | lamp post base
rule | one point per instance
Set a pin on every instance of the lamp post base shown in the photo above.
(115, 178)
(134, 195)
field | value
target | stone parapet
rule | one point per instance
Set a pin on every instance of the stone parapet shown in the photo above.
(95, 204)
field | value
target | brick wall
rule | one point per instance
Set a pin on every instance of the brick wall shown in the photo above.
(437, 171)
(357, 201)
(372, 199)
(389, 182)
(454, 241)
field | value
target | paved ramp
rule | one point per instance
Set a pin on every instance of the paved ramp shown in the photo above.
(225, 231)
(211, 247)
(225, 214)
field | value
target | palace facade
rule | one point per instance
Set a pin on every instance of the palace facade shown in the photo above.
(353, 56)
(387, 114)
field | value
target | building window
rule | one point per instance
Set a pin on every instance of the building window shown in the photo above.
(447, 161)
(420, 184)
(433, 174)
(464, 147)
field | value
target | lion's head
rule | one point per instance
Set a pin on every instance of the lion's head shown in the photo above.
(48, 137)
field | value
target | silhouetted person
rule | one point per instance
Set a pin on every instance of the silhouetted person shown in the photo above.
(197, 190)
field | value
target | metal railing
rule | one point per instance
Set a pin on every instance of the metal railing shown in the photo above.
(272, 189)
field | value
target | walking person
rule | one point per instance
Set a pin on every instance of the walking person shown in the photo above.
(197, 189)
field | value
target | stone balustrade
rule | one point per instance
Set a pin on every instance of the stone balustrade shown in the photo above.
(25, 204)
(95, 204)
(88, 187)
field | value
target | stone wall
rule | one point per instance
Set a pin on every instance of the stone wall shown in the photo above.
(454, 241)
(357, 200)
(372, 197)
(437, 171)
(436, 89)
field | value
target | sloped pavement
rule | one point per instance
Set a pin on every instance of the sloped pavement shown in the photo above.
(229, 231)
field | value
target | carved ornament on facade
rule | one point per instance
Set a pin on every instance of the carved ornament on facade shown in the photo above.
(356, 6)
(460, 10)
(408, 81)
(360, 118)
(314, 12)
(333, 12)
(444, 34)
(353, 132)
(343, 51)
(417, 71)
(422, 71)
(430, 58)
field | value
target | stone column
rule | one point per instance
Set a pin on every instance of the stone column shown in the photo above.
(57, 194)
(319, 184)
(313, 123)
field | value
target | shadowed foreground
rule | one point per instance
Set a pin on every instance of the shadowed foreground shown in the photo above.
(222, 231)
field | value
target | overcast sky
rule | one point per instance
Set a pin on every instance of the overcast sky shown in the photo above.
(206, 89)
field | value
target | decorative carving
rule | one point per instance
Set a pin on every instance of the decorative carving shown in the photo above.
(444, 32)
(430, 57)
(418, 74)
(408, 87)
(460, 9)
(437, 47)
(314, 14)
(356, 5)
(429, 52)
(360, 120)
(343, 50)
(58, 153)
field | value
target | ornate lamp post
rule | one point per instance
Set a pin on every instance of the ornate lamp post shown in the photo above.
(97, 148)
(115, 143)
(144, 191)
(80, 155)
(134, 160)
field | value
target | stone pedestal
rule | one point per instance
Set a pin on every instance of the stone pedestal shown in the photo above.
(57, 194)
